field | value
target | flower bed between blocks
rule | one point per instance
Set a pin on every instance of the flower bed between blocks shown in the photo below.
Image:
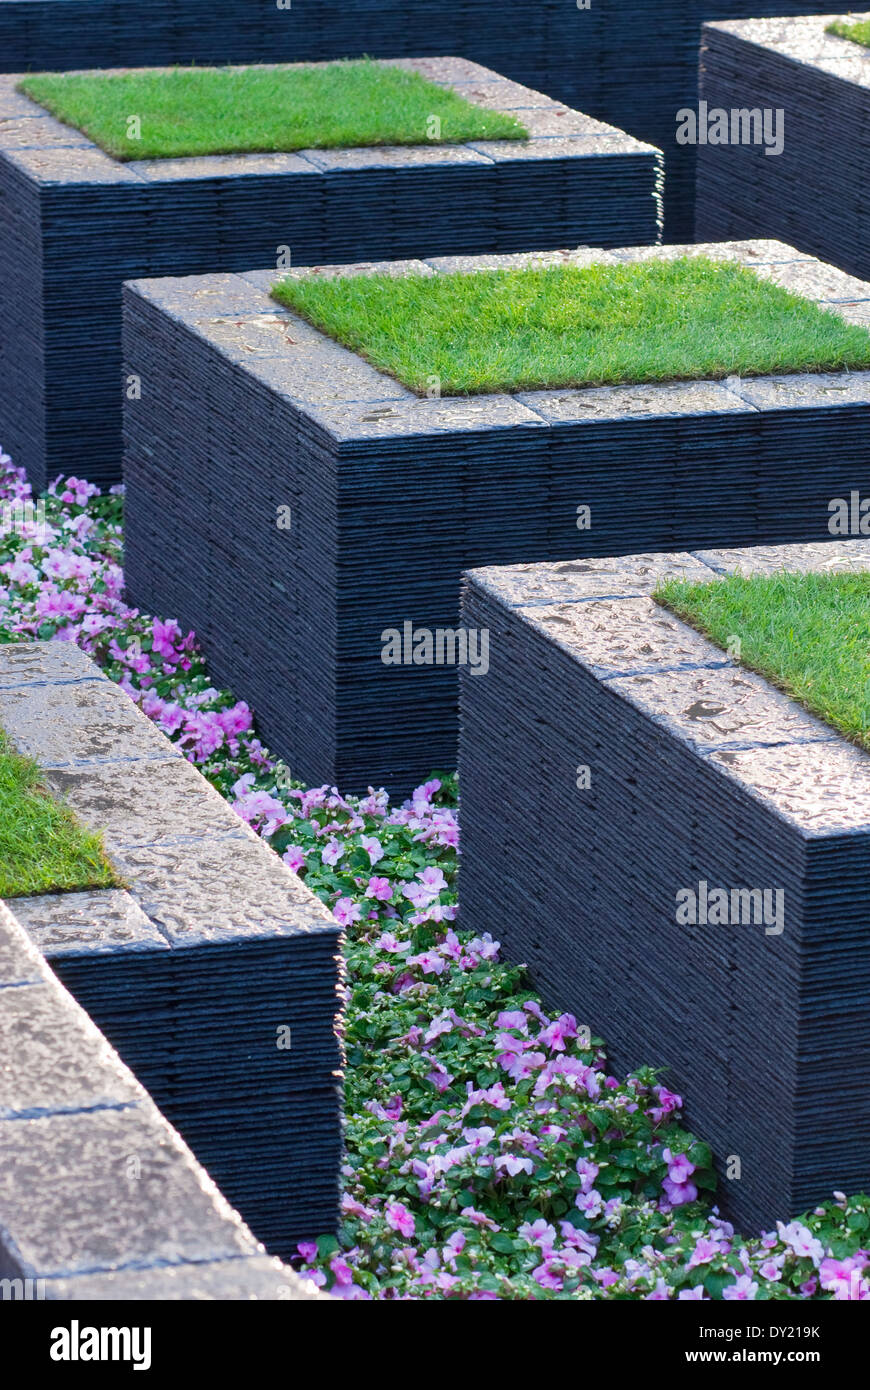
(76, 222)
(812, 193)
(675, 778)
(308, 514)
(641, 1227)
(216, 975)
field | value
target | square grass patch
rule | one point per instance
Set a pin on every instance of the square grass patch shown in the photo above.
(809, 634)
(859, 32)
(153, 114)
(509, 330)
(43, 849)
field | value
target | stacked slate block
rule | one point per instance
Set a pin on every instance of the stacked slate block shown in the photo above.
(614, 758)
(813, 194)
(77, 1221)
(215, 973)
(75, 223)
(251, 419)
(634, 64)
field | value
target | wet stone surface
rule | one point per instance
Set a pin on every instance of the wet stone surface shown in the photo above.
(254, 1277)
(71, 1199)
(722, 707)
(101, 922)
(46, 1066)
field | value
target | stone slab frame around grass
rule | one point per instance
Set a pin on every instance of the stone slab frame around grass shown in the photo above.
(634, 64)
(192, 970)
(75, 223)
(814, 193)
(250, 417)
(99, 1197)
(612, 757)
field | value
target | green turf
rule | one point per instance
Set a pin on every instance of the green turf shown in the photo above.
(858, 32)
(504, 330)
(807, 633)
(200, 111)
(43, 848)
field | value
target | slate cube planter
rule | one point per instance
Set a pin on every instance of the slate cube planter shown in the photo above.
(75, 223)
(215, 972)
(249, 419)
(815, 193)
(635, 64)
(71, 1119)
(613, 758)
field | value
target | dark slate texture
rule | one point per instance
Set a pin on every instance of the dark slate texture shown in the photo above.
(698, 771)
(190, 969)
(75, 223)
(813, 194)
(247, 409)
(631, 62)
(99, 1197)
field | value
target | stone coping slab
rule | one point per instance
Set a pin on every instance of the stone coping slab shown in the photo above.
(809, 186)
(99, 1197)
(361, 461)
(210, 944)
(677, 781)
(75, 223)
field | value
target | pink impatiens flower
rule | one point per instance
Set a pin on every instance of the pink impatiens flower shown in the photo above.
(398, 1218)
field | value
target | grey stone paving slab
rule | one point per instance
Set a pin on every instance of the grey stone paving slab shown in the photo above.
(820, 557)
(228, 889)
(346, 271)
(103, 922)
(397, 157)
(555, 147)
(201, 295)
(29, 663)
(84, 722)
(814, 280)
(523, 260)
(46, 1066)
(71, 1201)
(254, 1277)
(594, 403)
(822, 788)
(455, 415)
(20, 962)
(579, 581)
(34, 133)
(219, 166)
(503, 94)
(151, 801)
(803, 392)
(624, 635)
(69, 166)
(763, 251)
(724, 706)
(13, 103)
